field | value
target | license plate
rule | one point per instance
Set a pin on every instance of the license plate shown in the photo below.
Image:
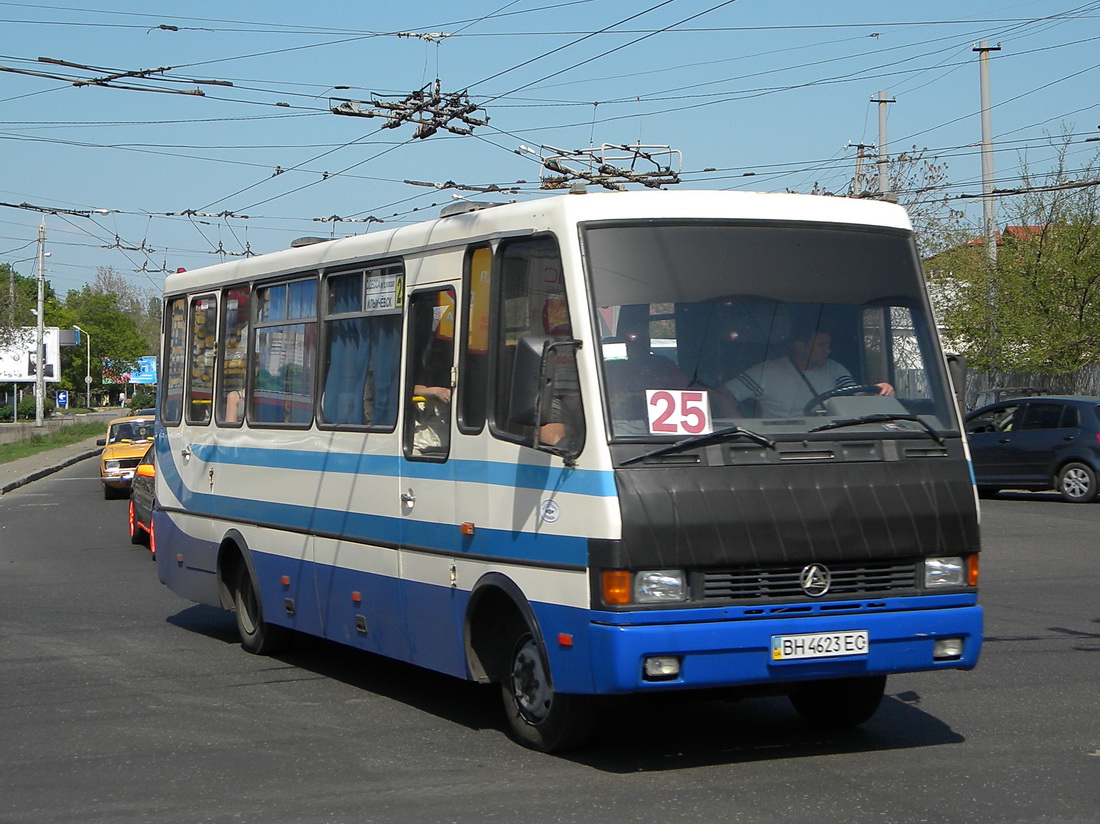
(819, 645)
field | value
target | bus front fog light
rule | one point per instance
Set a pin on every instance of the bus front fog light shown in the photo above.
(947, 649)
(659, 586)
(944, 572)
(661, 668)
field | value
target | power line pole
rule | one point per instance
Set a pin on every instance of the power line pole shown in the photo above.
(857, 182)
(883, 166)
(988, 204)
(989, 213)
(39, 359)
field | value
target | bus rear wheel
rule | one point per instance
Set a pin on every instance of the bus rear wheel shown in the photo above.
(539, 717)
(257, 636)
(839, 703)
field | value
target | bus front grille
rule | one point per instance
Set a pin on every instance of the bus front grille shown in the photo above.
(847, 580)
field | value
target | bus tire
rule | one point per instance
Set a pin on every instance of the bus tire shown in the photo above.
(539, 717)
(257, 636)
(839, 703)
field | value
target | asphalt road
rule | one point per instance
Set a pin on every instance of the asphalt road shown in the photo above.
(120, 702)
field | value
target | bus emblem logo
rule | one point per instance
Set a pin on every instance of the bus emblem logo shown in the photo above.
(550, 511)
(815, 580)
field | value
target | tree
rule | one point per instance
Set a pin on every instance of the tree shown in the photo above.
(18, 297)
(1038, 309)
(921, 187)
(115, 336)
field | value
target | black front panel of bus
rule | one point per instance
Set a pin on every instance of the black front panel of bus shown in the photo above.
(756, 516)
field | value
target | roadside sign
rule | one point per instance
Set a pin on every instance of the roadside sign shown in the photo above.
(62, 397)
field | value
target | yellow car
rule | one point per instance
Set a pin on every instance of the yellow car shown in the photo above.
(127, 441)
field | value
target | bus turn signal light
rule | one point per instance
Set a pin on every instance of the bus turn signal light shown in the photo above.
(616, 584)
(972, 570)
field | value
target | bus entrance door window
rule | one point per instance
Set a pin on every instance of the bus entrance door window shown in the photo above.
(431, 355)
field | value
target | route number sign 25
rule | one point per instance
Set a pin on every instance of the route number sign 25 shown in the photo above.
(678, 412)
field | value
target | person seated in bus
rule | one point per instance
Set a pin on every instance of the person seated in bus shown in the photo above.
(431, 390)
(563, 422)
(783, 386)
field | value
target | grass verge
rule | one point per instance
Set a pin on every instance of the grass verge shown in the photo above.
(42, 443)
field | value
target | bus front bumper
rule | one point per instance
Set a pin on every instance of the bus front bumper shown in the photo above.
(754, 651)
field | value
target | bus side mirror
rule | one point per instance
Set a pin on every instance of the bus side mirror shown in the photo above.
(532, 379)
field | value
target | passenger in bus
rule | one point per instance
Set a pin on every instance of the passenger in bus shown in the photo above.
(234, 406)
(432, 353)
(563, 425)
(783, 386)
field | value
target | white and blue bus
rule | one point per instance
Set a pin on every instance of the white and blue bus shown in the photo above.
(584, 446)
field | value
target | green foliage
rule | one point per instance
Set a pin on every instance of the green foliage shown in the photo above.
(117, 318)
(27, 408)
(16, 308)
(143, 399)
(1038, 310)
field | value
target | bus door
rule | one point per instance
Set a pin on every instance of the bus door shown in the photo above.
(191, 444)
(429, 535)
(474, 490)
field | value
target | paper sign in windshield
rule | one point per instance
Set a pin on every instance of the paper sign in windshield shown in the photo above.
(678, 412)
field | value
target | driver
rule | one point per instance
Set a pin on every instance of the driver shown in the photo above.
(783, 386)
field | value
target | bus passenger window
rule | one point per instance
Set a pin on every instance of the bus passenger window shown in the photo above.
(431, 355)
(200, 387)
(233, 359)
(175, 336)
(286, 340)
(362, 347)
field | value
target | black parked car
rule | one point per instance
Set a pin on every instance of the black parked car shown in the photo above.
(1037, 443)
(141, 502)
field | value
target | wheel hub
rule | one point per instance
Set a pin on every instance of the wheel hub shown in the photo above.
(529, 684)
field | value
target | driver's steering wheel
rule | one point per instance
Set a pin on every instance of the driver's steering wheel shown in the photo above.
(843, 391)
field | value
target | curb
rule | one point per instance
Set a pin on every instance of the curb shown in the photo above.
(48, 470)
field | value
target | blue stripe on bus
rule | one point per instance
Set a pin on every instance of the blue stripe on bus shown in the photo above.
(522, 476)
(374, 529)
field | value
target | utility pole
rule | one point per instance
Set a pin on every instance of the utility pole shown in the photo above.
(857, 182)
(39, 359)
(883, 167)
(88, 371)
(988, 204)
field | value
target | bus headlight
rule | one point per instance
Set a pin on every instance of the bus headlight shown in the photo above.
(659, 586)
(944, 572)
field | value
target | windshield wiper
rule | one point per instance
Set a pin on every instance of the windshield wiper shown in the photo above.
(702, 440)
(882, 417)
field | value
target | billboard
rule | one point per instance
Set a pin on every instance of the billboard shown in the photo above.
(144, 373)
(18, 363)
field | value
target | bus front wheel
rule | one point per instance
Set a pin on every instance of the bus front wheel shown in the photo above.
(839, 703)
(538, 716)
(257, 636)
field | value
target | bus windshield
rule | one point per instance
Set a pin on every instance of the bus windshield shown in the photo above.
(781, 328)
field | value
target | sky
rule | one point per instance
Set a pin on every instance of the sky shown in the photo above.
(220, 140)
